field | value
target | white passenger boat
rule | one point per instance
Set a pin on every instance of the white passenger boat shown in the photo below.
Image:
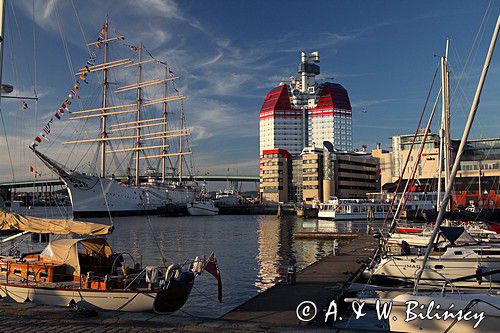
(353, 209)
(202, 207)
(361, 209)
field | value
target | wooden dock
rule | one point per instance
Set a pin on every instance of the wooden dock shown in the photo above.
(320, 283)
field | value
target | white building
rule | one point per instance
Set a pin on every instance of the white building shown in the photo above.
(306, 113)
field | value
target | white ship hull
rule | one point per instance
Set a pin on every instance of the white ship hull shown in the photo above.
(95, 196)
(349, 216)
(202, 209)
(106, 300)
(466, 302)
(440, 269)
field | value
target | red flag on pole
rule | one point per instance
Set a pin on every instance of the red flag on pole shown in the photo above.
(213, 268)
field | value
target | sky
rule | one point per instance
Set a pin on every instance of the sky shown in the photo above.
(229, 54)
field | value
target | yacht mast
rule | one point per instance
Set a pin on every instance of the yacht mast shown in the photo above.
(165, 121)
(444, 131)
(138, 129)
(104, 102)
(446, 109)
(2, 37)
(460, 151)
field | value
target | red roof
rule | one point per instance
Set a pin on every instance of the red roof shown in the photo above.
(277, 103)
(333, 96)
(282, 152)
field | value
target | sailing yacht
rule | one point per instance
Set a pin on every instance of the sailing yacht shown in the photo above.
(146, 137)
(86, 270)
(455, 304)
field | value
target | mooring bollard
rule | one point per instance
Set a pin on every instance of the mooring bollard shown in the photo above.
(336, 249)
(291, 275)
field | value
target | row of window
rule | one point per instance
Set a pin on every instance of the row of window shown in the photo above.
(360, 172)
(360, 180)
(269, 180)
(266, 172)
(366, 188)
(489, 166)
(272, 163)
(358, 163)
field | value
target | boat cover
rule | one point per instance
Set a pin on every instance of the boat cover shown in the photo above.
(66, 251)
(457, 235)
(9, 221)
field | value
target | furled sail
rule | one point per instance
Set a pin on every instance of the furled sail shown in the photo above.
(9, 221)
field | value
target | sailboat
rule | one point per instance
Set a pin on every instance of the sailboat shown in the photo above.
(457, 304)
(144, 138)
(86, 271)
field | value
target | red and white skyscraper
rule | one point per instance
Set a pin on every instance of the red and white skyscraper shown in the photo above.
(306, 113)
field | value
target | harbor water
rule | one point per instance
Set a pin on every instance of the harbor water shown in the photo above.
(253, 252)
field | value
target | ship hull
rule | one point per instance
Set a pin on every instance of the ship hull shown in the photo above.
(162, 301)
(202, 211)
(104, 300)
(92, 197)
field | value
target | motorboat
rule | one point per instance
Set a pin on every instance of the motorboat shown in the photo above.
(202, 207)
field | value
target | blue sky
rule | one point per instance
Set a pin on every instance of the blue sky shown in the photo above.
(230, 53)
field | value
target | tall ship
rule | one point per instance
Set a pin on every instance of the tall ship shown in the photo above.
(139, 120)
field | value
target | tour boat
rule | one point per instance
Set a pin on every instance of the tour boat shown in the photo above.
(360, 209)
(353, 209)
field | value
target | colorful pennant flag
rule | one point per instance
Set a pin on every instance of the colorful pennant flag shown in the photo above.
(32, 170)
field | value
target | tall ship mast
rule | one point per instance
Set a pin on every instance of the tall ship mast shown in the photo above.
(133, 122)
